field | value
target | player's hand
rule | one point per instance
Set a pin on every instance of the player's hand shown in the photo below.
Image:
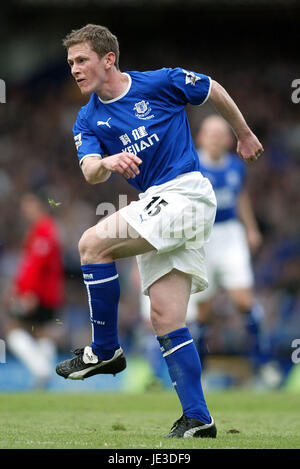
(124, 163)
(254, 240)
(249, 148)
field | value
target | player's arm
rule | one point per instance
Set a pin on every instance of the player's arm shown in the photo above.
(247, 217)
(248, 145)
(94, 171)
(98, 170)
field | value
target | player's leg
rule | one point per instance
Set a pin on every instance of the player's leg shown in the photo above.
(112, 238)
(252, 313)
(169, 277)
(201, 304)
(236, 277)
(26, 348)
(200, 310)
(204, 309)
(99, 247)
(148, 344)
(47, 336)
(202, 324)
(243, 299)
(169, 297)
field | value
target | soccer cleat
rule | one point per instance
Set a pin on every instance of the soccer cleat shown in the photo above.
(187, 427)
(87, 364)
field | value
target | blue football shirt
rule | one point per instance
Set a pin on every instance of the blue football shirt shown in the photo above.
(149, 120)
(227, 179)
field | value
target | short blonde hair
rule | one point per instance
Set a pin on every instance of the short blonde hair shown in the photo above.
(100, 38)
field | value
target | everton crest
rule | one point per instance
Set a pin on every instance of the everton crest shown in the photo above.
(142, 110)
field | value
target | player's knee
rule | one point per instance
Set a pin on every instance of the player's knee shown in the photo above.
(204, 310)
(160, 323)
(244, 302)
(164, 322)
(89, 246)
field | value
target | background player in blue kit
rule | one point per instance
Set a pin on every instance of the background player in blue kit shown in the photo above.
(138, 120)
(234, 237)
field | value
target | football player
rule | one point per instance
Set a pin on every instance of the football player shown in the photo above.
(135, 124)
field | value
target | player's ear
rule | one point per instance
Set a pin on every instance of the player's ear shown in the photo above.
(109, 60)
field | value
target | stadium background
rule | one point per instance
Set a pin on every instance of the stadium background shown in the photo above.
(252, 49)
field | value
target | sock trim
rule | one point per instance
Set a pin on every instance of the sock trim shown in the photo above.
(103, 280)
(90, 308)
(172, 350)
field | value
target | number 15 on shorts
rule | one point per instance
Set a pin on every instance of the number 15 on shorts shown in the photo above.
(155, 205)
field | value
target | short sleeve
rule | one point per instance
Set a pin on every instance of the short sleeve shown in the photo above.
(86, 142)
(189, 87)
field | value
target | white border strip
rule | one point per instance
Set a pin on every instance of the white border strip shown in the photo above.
(121, 95)
(90, 308)
(103, 280)
(177, 347)
(208, 93)
(90, 154)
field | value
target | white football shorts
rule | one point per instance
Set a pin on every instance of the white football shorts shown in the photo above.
(228, 261)
(176, 218)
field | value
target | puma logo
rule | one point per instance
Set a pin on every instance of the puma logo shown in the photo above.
(104, 122)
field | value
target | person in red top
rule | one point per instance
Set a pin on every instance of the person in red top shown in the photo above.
(37, 291)
(40, 273)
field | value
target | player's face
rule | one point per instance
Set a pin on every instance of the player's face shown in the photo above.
(215, 138)
(30, 207)
(86, 67)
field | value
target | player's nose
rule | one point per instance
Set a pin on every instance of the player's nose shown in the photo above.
(75, 70)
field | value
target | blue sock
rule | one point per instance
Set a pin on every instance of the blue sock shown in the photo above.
(253, 319)
(184, 367)
(199, 333)
(103, 289)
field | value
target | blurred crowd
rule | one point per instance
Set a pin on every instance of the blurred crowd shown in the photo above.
(37, 150)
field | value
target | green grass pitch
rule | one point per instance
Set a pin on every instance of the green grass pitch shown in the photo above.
(139, 421)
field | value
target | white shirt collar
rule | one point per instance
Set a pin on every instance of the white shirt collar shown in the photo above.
(121, 95)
